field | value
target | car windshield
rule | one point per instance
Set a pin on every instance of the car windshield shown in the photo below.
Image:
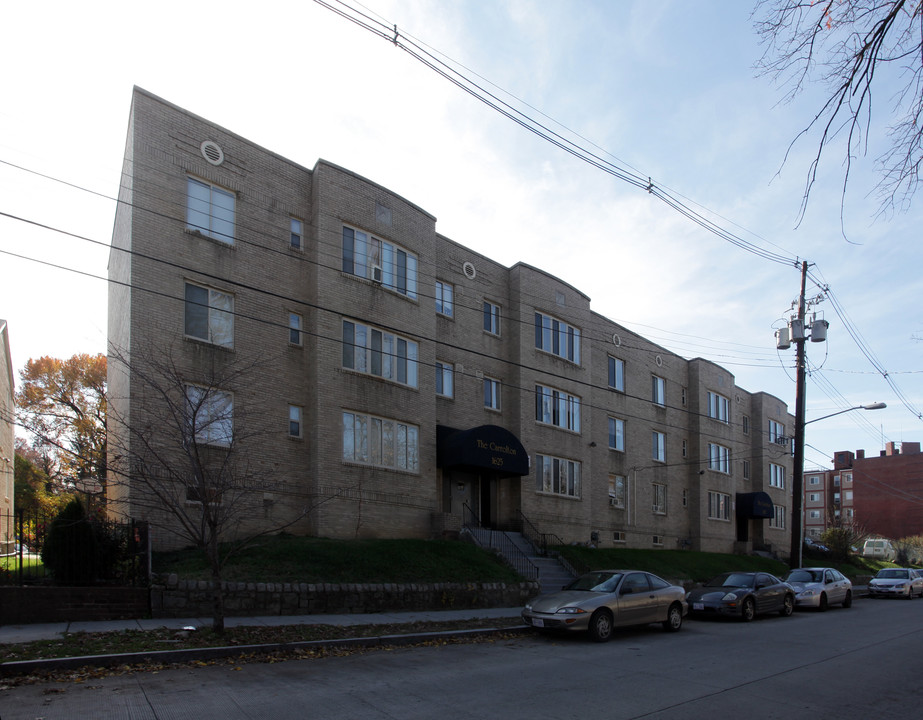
(596, 582)
(732, 580)
(893, 574)
(805, 576)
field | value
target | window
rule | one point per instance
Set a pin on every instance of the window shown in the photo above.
(776, 476)
(618, 536)
(778, 517)
(814, 480)
(445, 305)
(849, 512)
(294, 421)
(657, 540)
(370, 440)
(847, 494)
(719, 506)
(814, 497)
(209, 315)
(376, 352)
(369, 257)
(718, 407)
(745, 420)
(776, 432)
(847, 478)
(719, 458)
(814, 514)
(617, 491)
(616, 434)
(491, 318)
(658, 394)
(445, 373)
(294, 329)
(558, 408)
(297, 233)
(659, 446)
(210, 415)
(616, 374)
(210, 210)
(836, 481)
(491, 393)
(746, 469)
(557, 476)
(659, 499)
(836, 498)
(557, 337)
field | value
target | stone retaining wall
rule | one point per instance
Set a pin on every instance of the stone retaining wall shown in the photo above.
(181, 598)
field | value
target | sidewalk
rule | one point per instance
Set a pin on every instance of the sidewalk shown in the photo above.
(50, 631)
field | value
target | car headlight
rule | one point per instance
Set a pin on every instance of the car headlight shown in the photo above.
(528, 606)
(730, 597)
(570, 611)
(807, 593)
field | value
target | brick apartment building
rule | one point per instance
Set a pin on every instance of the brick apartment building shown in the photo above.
(882, 495)
(404, 383)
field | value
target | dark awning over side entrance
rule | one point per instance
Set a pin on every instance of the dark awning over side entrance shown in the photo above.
(754, 505)
(490, 447)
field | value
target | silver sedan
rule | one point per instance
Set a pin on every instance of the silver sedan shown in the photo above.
(896, 582)
(602, 600)
(819, 587)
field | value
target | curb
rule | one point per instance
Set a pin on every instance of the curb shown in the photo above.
(25, 667)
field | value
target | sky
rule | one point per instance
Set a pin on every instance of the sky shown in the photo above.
(664, 88)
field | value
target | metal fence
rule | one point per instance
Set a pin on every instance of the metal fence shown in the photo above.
(116, 553)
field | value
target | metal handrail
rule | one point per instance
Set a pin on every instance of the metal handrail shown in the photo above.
(500, 541)
(540, 541)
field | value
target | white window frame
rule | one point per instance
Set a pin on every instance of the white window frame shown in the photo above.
(297, 233)
(557, 407)
(491, 318)
(814, 514)
(813, 497)
(814, 480)
(491, 393)
(719, 506)
(219, 321)
(616, 373)
(776, 431)
(658, 446)
(616, 434)
(210, 210)
(210, 415)
(295, 421)
(557, 337)
(658, 498)
(719, 458)
(380, 442)
(373, 351)
(658, 390)
(445, 379)
(777, 520)
(362, 252)
(617, 491)
(445, 299)
(295, 330)
(719, 407)
(776, 476)
(557, 476)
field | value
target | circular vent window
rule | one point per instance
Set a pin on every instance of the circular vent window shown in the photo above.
(212, 152)
(469, 271)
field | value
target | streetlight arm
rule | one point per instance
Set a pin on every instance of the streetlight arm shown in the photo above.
(870, 406)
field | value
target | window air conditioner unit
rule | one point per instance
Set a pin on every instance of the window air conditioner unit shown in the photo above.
(376, 273)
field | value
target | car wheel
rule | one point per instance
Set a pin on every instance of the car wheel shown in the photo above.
(847, 601)
(748, 610)
(674, 619)
(823, 602)
(601, 626)
(788, 606)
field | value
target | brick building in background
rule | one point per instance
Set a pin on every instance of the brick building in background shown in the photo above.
(881, 496)
(407, 384)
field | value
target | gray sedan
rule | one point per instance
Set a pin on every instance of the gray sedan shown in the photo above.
(819, 587)
(743, 595)
(602, 600)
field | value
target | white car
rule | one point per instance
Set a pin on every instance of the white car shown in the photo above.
(819, 587)
(896, 582)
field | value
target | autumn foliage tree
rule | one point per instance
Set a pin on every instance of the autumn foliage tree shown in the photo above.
(62, 403)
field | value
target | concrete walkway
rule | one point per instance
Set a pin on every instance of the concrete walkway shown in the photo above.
(50, 631)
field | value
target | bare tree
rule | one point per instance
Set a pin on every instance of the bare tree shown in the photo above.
(187, 458)
(853, 47)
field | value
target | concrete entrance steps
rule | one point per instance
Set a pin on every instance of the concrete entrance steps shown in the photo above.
(552, 575)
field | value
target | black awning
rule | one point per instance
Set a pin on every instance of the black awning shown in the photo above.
(754, 505)
(488, 447)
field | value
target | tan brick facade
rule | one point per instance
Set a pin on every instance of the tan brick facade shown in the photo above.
(538, 337)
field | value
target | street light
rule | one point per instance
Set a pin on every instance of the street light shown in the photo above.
(870, 406)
